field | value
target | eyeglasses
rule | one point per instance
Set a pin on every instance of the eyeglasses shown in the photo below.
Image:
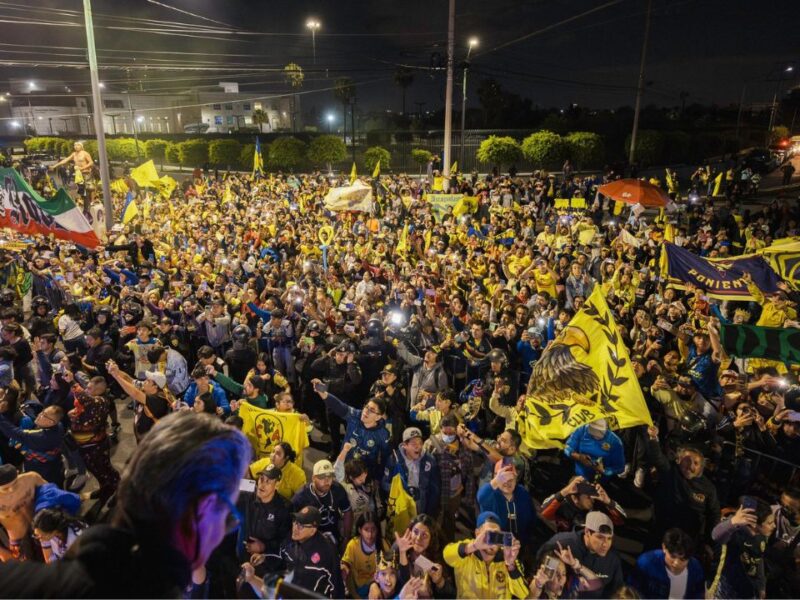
(296, 523)
(371, 411)
(234, 518)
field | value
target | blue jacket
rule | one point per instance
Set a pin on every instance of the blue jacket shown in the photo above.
(609, 448)
(371, 445)
(652, 581)
(429, 490)
(217, 393)
(495, 501)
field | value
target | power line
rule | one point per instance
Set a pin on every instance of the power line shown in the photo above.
(191, 14)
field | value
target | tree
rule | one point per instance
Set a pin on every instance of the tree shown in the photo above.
(649, 146)
(286, 153)
(778, 133)
(496, 150)
(585, 149)
(404, 77)
(260, 117)
(344, 90)
(193, 153)
(544, 149)
(224, 153)
(293, 75)
(326, 149)
(421, 156)
(375, 154)
(156, 150)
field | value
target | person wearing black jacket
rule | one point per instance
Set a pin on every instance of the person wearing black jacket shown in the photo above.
(139, 250)
(41, 447)
(685, 498)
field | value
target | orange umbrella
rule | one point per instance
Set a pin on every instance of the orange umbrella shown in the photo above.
(635, 191)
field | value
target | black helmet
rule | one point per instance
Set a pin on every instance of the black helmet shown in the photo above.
(132, 312)
(7, 297)
(241, 334)
(39, 302)
(313, 327)
(347, 346)
(497, 356)
(374, 327)
(692, 422)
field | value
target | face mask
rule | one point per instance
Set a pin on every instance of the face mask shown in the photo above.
(448, 439)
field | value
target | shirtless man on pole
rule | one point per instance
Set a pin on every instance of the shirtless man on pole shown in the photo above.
(83, 163)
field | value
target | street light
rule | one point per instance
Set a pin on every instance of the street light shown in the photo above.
(774, 112)
(102, 85)
(313, 25)
(329, 118)
(473, 42)
(14, 124)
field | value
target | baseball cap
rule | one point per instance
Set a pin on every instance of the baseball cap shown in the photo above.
(157, 377)
(598, 428)
(410, 433)
(308, 515)
(323, 468)
(271, 472)
(599, 522)
(389, 368)
(487, 515)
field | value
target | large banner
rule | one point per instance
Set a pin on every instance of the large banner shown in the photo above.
(720, 278)
(352, 197)
(750, 341)
(440, 203)
(24, 210)
(266, 428)
(784, 257)
(583, 375)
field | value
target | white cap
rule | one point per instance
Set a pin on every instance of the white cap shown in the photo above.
(157, 377)
(597, 429)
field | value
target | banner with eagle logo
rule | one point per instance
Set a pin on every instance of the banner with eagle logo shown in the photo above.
(583, 375)
(267, 428)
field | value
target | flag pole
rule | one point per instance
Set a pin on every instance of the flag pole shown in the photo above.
(448, 102)
(98, 116)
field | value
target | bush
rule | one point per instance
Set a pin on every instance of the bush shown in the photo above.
(326, 149)
(585, 149)
(172, 154)
(496, 150)
(91, 147)
(246, 156)
(544, 149)
(224, 153)
(421, 156)
(193, 153)
(375, 154)
(286, 153)
(649, 147)
(124, 149)
(63, 147)
(156, 150)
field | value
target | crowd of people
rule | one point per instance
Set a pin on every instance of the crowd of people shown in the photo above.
(407, 340)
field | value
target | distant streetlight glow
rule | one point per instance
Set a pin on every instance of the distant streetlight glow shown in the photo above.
(31, 85)
(314, 26)
(140, 119)
(789, 69)
(102, 85)
(473, 41)
(329, 118)
(14, 124)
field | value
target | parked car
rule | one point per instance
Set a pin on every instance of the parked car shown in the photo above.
(760, 160)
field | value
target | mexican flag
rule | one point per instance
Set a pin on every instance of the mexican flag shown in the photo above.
(24, 210)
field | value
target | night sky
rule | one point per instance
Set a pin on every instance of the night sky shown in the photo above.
(706, 48)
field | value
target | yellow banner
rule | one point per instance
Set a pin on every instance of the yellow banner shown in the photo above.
(266, 428)
(145, 175)
(583, 375)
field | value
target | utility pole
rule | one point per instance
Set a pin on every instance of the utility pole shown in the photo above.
(353, 124)
(774, 112)
(133, 125)
(640, 87)
(739, 112)
(98, 116)
(448, 96)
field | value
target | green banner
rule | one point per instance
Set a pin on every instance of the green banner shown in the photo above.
(749, 341)
(441, 202)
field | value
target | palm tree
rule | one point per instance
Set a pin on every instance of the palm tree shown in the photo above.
(293, 74)
(344, 91)
(404, 77)
(260, 117)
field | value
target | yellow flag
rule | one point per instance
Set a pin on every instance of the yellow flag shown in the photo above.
(131, 210)
(377, 170)
(227, 196)
(402, 243)
(454, 168)
(618, 206)
(145, 175)
(584, 374)
(78, 176)
(466, 204)
(119, 186)
(400, 508)
(438, 184)
(266, 428)
(561, 203)
(353, 174)
(669, 233)
(717, 184)
(577, 202)
(784, 258)
(428, 235)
